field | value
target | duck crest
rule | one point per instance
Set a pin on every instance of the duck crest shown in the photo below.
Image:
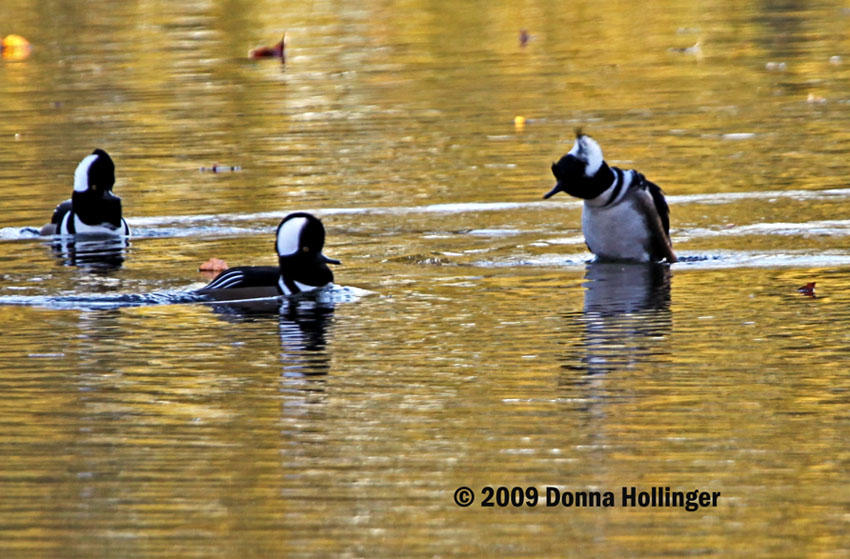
(586, 150)
(289, 235)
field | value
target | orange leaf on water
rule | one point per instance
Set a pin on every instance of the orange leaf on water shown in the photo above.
(213, 265)
(15, 47)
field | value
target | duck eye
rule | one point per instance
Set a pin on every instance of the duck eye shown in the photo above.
(305, 249)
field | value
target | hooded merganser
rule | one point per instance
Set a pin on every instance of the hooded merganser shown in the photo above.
(302, 266)
(625, 216)
(93, 209)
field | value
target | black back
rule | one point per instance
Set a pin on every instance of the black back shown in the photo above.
(246, 276)
(94, 208)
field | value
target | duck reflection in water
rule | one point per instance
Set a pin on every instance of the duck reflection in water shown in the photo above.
(303, 324)
(626, 314)
(90, 251)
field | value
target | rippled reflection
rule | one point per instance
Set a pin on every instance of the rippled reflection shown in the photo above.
(99, 252)
(626, 312)
(303, 324)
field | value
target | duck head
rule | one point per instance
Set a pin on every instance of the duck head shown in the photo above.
(582, 172)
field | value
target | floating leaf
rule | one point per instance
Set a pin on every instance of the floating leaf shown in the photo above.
(276, 51)
(213, 265)
(15, 47)
(808, 290)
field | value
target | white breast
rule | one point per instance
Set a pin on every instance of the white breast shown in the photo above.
(618, 232)
(102, 229)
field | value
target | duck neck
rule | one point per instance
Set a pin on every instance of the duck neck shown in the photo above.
(599, 182)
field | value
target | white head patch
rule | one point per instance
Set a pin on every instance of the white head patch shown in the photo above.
(586, 149)
(81, 175)
(289, 235)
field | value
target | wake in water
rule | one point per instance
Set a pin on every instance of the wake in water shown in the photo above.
(691, 260)
(261, 223)
(92, 301)
(195, 225)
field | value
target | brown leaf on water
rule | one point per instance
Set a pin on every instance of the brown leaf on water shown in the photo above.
(808, 290)
(278, 50)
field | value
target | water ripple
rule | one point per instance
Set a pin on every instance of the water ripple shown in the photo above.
(185, 225)
(690, 259)
(92, 301)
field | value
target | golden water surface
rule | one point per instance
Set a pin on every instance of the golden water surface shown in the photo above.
(479, 347)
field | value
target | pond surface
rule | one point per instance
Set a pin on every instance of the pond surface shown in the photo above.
(469, 341)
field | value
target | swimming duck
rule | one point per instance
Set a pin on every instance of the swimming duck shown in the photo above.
(93, 209)
(301, 266)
